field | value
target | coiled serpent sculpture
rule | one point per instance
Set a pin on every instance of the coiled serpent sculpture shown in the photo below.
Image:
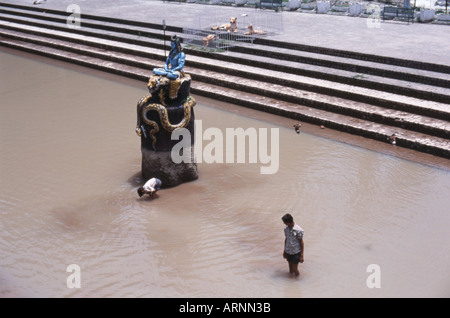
(144, 107)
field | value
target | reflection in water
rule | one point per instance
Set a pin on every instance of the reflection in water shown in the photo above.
(70, 167)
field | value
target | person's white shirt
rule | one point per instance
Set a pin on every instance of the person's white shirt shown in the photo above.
(152, 185)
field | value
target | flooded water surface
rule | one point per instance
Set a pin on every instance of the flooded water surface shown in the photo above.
(70, 167)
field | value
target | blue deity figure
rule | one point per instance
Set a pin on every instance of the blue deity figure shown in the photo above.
(175, 61)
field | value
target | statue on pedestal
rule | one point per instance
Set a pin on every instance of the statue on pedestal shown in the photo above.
(174, 62)
(168, 107)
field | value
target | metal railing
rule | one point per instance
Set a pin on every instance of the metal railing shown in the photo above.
(217, 32)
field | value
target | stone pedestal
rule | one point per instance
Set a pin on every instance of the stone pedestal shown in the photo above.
(159, 164)
(168, 107)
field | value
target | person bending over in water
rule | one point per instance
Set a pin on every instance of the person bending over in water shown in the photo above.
(150, 187)
(293, 244)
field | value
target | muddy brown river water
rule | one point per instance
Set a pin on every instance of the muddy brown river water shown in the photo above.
(70, 167)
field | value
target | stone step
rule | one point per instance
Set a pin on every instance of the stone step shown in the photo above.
(258, 41)
(25, 9)
(369, 129)
(348, 70)
(261, 47)
(356, 55)
(351, 65)
(406, 138)
(355, 76)
(436, 127)
(354, 93)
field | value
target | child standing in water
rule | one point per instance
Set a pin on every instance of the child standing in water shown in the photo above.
(293, 244)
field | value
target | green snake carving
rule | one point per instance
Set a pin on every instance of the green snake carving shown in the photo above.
(163, 116)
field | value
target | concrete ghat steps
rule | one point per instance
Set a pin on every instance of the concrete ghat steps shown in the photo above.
(284, 54)
(436, 127)
(406, 138)
(154, 30)
(410, 139)
(146, 26)
(382, 73)
(366, 96)
(302, 98)
(370, 96)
